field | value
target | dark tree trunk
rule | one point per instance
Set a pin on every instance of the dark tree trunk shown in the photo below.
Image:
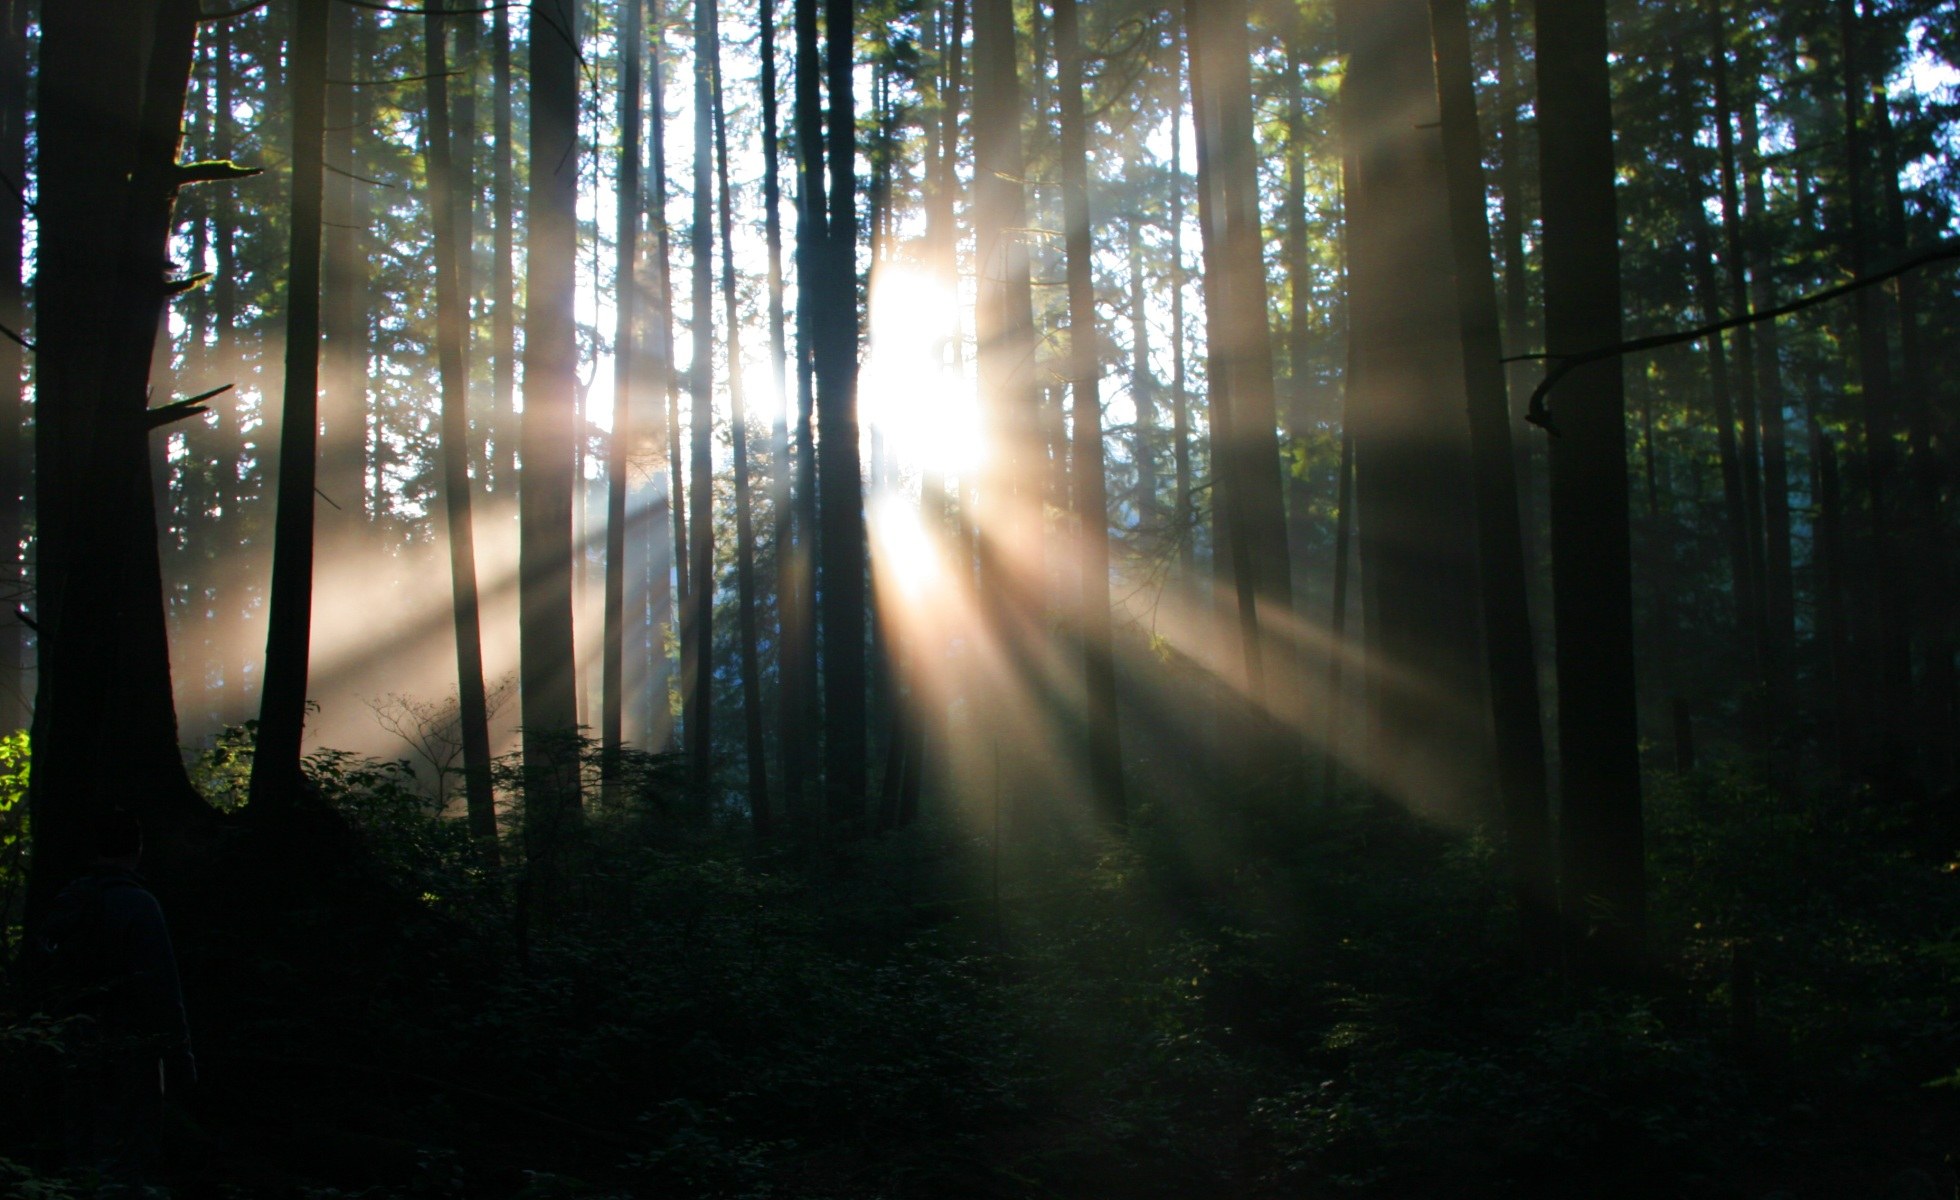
(503, 286)
(1600, 840)
(840, 499)
(1245, 438)
(1429, 745)
(626, 345)
(276, 772)
(801, 715)
(1184, 515)
(548, 437)
(1508, 647)
(745, 592)
(112, 86)
(1105, 748)
(343, 296)
(792, 735)
(697, 621)
(15, 711)
(450, 222)
(1889, 720)
(670, 537)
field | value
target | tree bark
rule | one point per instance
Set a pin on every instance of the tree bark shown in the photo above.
(277, 780)
(697, 622)
(1245, 436)
(112, 86)
(547, 673)
(1105, 750)
(626, 345)
(840, 499)
(1603, 899)
(503, 286)
(15, 712)
(745, 590)
(1507, 620)
(449, 212)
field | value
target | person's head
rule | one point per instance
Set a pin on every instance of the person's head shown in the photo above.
(118, 837)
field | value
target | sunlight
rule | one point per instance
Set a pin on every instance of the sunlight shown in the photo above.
(908, 392)
(910, 565)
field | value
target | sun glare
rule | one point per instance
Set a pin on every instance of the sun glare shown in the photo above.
(909, 390)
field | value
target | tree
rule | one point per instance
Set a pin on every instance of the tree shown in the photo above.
(276, 773)
(626, 347)
(451, 221)
(113, 79)
(1513, 666)
(547, 674)
(1603, 896)
(1104, 748)
(840, 497)
(757, 759)
(697, 620)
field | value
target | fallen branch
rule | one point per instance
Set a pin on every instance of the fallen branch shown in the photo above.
(1539, 413)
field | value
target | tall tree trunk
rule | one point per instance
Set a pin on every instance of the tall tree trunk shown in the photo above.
(503, 285)
(792, 735)
(1600, 840)
(450, 220)
(1929, 586)
(1779, 580)
(697, 622)
(1186, 518)
(343, 295)
(738, 421)
(1518, 333)
(670, 549)
(1735, 525)
(799, 602)
(1245, 435)
(1889, 715)
(1507, 620)
(1105, 748)
(276, 774)
(1143, 386)
(840, 499)
(547, 674)
(626, 344)
(1299, 323)
(112, 85)
(1429, 745)
(1736, 270)
(14, 708)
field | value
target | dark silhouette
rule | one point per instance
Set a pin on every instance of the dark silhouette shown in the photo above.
(111, 969)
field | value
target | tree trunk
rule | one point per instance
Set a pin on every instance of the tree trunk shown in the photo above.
(1600, 840)
(548, 437)
(697, 622)
(1245, 435)
(1429, 744)
(840, 500)
(1105, 749)
(112, 86)
(276, 773)
(1185, 516)
(343, 296)
(792, 735)
(669, 553)
(14, 709)
(503, 286)
(450, 221)
(1507, 620)
(745, 618)
(802, 720)
(1889, 716)
(626, 344)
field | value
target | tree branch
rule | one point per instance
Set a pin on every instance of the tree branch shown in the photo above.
(1539, 412)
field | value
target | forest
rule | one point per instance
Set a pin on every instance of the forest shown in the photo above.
(983, 598)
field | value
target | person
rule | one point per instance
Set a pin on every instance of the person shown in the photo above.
(114, 972)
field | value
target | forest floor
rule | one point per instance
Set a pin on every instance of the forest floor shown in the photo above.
(1328, 1005)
